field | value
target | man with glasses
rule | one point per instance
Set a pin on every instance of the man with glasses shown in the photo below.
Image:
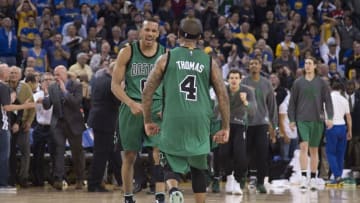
(42, 132)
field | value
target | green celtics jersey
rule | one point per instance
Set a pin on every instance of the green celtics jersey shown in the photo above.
(138, 70)
(187, 110)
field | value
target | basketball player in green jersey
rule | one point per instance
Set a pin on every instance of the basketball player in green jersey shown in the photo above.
(186, 73)
(133, 65)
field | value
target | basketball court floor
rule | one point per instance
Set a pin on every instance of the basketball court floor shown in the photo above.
(292, 194)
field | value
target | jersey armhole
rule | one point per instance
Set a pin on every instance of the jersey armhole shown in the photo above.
(167, 63)
(131, 55)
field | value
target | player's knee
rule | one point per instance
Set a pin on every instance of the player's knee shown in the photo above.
(169, 175)
(198, 180)
(159, 174)
(129, 157)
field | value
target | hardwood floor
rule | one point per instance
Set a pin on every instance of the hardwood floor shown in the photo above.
(50, 195)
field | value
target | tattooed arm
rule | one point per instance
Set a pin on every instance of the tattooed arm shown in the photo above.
(219, 86)
(152, 83)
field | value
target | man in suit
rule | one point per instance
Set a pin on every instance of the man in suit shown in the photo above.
(65, 96)
(353, 153)
(102, 119)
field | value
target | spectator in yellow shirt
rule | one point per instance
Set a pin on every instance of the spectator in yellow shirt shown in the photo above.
(248, 39)
(25, 9)
(290, 44)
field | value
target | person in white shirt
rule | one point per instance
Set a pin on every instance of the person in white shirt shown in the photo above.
(337, 136)
(42, 131)
(290, 138)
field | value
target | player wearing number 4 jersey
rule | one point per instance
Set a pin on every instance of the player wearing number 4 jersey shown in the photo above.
(187, 74)
(133, 66)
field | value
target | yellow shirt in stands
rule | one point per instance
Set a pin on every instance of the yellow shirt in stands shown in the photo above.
(248, 40)
(328, 30)
(290, 45)
(22, 19)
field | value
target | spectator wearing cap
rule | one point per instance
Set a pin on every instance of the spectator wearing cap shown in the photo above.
(248, 39)
(23, 11)
(330, 49)
(80, 67)
(8, 42)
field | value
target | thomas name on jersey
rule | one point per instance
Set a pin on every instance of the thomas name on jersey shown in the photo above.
(190, 65)
(141, 69)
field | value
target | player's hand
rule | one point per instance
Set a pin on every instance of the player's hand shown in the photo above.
(159, 114)
(136, 108)
(272, 134)
(292, 126)
(221, 137)
(329, 124)
(151, 129)
(62, 85)
(349, 135)
(15, 128)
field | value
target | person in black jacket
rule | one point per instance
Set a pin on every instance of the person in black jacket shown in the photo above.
(67, 122)
(102, 119)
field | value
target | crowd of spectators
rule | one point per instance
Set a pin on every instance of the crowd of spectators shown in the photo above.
(85, 36)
